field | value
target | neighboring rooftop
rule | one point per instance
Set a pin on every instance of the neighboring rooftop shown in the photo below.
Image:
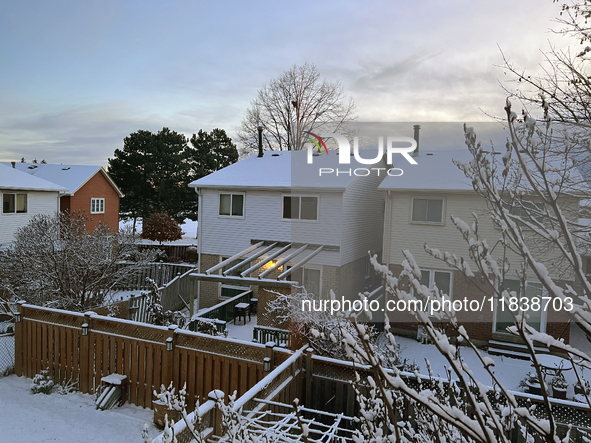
(72, 177)
(434, 171)
(285, 170)
(18, 180)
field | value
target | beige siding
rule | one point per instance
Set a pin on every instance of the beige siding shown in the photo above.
(412, 236)
(37, 203)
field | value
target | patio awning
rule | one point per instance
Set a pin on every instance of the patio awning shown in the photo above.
(275, 254)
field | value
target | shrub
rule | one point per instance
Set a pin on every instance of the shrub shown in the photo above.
(161, 227)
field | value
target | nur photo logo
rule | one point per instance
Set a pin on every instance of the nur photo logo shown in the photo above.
(392, 147)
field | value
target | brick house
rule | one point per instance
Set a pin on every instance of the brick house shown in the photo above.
(279, 199)
(418, 207)
(22, 198)
(89, 190)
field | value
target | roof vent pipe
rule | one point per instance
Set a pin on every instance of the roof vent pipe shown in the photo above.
(13, 165)
(260, 128)
(416, 137)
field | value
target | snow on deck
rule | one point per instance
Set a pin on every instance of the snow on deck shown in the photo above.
(241, 331)
(30, 417)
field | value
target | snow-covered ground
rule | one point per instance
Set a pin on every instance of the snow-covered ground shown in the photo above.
(509, 371)
(27, 417)
(189, 228)
(242, 331)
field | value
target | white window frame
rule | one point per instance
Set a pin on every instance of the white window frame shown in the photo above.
(426, 222)
(299, 219)
(16, 194)
(431, 284)
(543, 317)
(97, 205)
(232, 194)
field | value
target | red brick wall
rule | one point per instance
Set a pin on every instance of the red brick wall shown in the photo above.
(97, 187)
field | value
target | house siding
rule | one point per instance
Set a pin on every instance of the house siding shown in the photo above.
(45, 203)
(96, 187)
(363, 218)
(262, 220)
(405, 235)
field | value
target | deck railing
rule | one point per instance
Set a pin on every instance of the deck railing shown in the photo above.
(263, 334)
(225, 310)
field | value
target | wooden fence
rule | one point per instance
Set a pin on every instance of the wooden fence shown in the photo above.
(173, 252)
(161, 273)
(176, 294)
(86, 347)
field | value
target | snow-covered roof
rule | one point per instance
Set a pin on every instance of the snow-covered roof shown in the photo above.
(434, 171)
(284, 170)
(14, 179)
(72, 177)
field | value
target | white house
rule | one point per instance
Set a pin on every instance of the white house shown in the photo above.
(24, 196)
(280, 199)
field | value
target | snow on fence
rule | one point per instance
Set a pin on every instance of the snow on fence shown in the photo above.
(279, 386)
(330, 390)
(176, 294)
(87, 347)
(264, 334)
(161, 273)
(225, 310)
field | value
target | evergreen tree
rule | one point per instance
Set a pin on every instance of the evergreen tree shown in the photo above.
(209, 152)
(154, 170)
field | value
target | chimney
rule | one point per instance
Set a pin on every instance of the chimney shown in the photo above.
(416, 137)
(13, 165)
(260, 128)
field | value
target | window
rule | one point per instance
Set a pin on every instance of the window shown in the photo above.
(300, 207)
(309, 278)
(503, 314)
(441, 279)
(97, 205)
(232, 205)
(14, 203)
(527, 211)
(427, 210)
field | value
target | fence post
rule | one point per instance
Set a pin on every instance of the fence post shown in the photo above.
(269, 352)
(216, 420)
(167, 363)
(85, 355)
(309, 374)
(18, 338)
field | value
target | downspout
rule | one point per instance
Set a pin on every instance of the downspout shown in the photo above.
(199, 238)
(387, 243)
(388, 229)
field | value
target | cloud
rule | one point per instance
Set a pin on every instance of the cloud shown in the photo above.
(383, 76)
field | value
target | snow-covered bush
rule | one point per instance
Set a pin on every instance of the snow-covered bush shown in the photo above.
(322, 330)
(54, 261)
(42, 383)
(67, 387)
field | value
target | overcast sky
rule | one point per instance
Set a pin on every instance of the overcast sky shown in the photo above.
(79, 76)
